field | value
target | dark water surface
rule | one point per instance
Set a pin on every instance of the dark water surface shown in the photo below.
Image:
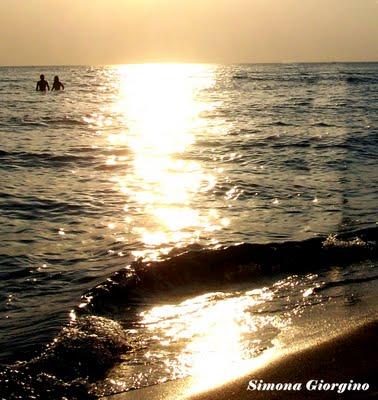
(150, 161)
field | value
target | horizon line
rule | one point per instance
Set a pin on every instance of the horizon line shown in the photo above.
(189, 63)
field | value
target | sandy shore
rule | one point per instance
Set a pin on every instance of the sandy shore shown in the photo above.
(350, 356)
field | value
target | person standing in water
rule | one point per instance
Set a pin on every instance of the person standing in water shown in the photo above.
(57, 85)
(42, 85)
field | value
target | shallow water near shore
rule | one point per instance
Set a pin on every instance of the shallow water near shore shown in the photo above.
(176, 162)
(219, 336)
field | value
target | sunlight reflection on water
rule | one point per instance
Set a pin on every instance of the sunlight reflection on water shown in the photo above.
(217, 332)
(211, 338)
(161, 109)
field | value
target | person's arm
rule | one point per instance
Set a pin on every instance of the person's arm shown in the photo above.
(48, 87)
(53, 87)
(62, 86)
(37, 88)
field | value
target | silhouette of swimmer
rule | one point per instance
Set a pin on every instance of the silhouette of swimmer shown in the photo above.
(57, 85)
(42, 84)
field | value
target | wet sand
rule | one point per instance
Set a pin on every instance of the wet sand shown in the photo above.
(351, 355)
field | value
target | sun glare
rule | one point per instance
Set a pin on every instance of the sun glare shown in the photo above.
(217, 334)
(160, 108)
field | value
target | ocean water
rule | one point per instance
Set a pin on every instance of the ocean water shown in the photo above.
(126, 199)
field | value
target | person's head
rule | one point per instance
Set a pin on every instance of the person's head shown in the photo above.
(56, 78)
(42, 77)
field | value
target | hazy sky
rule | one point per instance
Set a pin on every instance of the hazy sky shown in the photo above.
(41, 32)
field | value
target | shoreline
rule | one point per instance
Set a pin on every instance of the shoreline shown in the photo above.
(348, 356)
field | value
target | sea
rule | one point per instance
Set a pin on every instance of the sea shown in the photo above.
(165, 221)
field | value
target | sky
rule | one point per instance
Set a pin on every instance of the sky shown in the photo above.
(54, 32)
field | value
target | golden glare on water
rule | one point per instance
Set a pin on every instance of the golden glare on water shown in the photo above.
(161, 107)
(213, 337)
(218, 334)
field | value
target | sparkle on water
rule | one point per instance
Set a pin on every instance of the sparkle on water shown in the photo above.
(216, 336)
(161, 112)
(148, 118)
(213, 337)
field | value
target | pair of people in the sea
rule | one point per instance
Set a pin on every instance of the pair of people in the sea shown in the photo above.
(43, 85)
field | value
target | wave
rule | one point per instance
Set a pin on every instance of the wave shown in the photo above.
(322, 125)
(282, 78)
(196, 270)
(65, 121)
(361, 80)
(28, 120)
(241, 77)
(308, 79)
(45, 158)
(85, 350)
(281, 123)
(35, 208)
(300, 143)
(25, 121)
(79, 355)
